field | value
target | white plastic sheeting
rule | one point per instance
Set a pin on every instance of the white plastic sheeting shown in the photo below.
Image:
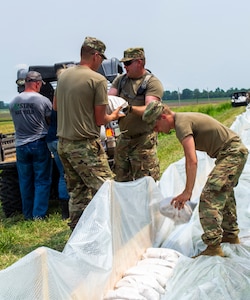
(114, 231)
(117, 232)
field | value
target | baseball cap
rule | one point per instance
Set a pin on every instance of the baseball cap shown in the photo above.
(153, 110)
(96, 44)
(133, 53)
(33, 76)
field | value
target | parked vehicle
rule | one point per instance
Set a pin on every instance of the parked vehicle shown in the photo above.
(239, 98)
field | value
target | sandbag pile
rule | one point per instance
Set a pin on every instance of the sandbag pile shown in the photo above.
(148, 279)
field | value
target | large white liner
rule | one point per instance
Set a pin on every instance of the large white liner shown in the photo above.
(114, 231)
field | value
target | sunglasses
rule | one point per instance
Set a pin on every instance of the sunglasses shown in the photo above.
(129, 62)
(102, 56)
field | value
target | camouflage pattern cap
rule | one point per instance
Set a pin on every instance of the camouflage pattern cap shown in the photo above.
(133, 53)
(95, 44)
(153, 110)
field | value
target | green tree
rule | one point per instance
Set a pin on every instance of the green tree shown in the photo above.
(187, 94)
(196, 94)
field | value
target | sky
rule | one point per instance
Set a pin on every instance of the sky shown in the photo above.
(190, 44)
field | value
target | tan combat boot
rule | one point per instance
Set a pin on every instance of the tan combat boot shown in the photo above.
(230, 239)
(212, 251)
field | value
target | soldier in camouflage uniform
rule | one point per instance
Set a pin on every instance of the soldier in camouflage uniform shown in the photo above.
(217, 208)
(136, 152)
(80, 100)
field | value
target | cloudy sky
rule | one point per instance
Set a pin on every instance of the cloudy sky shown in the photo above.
(191, 44)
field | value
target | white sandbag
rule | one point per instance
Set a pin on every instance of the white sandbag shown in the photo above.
(150, 268)
(162, 280)
(163, 253)
(179, 216)
(124, 293)
(186, 238)
(152, 276)
(148, 292)
(114, 103)
(135, 280)
(139, 292)
(157, 261)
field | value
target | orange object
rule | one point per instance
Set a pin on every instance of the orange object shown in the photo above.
(109, 132)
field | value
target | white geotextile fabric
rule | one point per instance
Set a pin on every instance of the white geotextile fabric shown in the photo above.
(115, 237)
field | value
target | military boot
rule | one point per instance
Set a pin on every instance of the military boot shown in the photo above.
(230, 239)
(212, 251)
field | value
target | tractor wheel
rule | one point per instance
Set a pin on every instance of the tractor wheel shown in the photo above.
(10, 196)
(9, 189)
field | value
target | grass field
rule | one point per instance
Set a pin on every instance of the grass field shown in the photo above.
(6, 124)
(19, 237)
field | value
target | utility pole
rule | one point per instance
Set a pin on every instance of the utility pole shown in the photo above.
(179, 99)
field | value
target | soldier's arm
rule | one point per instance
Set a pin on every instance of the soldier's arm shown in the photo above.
(102, 118)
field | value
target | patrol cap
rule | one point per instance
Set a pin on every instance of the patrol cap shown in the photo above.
(133, 53)
(96, 45)
(33, 76)
(153, 110)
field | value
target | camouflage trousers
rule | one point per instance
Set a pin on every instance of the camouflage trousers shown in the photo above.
(86, 168)
(217, 208)
(136, 157)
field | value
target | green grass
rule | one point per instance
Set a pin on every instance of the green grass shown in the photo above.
(6, 124)
(19, 237)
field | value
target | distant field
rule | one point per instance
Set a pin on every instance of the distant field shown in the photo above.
(187, 102)
(6, 124)
(4, 115)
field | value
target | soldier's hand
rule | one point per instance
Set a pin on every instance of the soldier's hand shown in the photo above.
(127, 109)
(118, 113)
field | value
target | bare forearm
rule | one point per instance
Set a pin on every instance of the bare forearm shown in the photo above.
(191, 170)
(138, 110)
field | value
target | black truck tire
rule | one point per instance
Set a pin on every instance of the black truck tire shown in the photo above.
(9, 189)
(10, 196)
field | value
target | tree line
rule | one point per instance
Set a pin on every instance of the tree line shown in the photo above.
(185, 94)
(197, 94)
